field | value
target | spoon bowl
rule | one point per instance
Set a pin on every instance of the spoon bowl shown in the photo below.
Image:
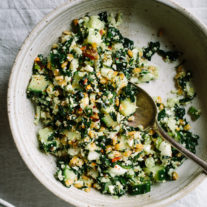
(146, 115)
(146, 111)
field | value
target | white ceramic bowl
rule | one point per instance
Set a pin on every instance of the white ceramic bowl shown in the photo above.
(141, 22)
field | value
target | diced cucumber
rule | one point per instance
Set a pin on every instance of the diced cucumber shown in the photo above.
(140, 189)
(71, 135)
(108, 73)
(69, 177)
(37, 114)
(36, 66)
(44, 134)
(107, 119)
(95, 23)
(93, 37)
(165, 149)
(38, 83)
(107, 110)
(127, 107)
(76, 78)
(69, 174)
(158, 172)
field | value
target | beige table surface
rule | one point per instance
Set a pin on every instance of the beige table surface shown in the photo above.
(17, 184)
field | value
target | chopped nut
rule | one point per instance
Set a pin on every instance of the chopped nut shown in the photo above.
(161, 106)
(64, 65)
(69, 57)
(140, 53)
(131, 133)
(151, 68)
(37, 59)
(121, 75)
(181, 121)
(108, 148)
(56, 72)
(160, 32)
(103, 80)
(76, 161)
(78, 185)
(187, 127)
(62, 83)
(139, 147)
(88, 87)
(131, 118)
(117, 146)
(114, 140)
(87, 190)
(85, 177)
(137, 70)
(180, 91)
(102, 32)
(127, 153)
(58, 78)
(95, 117)
(49, 65)
(94, 45)
(174, 175)
(75, 22)
(180, 68)
(56, 93)
(69, 182)
(130, 53)
(117, 101)
(159, 99)
(91, 134)
(64, 140)
(54, 46)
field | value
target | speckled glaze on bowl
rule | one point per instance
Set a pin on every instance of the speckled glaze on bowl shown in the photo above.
(142, 19)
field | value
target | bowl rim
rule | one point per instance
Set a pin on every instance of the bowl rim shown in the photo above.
(10, 98)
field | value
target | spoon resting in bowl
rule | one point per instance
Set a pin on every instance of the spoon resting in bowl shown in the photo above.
(146, 115)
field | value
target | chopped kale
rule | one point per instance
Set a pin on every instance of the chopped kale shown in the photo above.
(161, 114)
(169, 55)
(194, 113)
(152, 48)
(179, 111)
(103, 16)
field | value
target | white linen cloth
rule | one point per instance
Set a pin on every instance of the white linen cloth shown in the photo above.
(17, 184)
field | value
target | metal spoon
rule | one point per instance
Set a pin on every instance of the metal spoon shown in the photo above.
(146, 115)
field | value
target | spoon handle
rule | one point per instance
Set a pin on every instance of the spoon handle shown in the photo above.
(183, 150)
